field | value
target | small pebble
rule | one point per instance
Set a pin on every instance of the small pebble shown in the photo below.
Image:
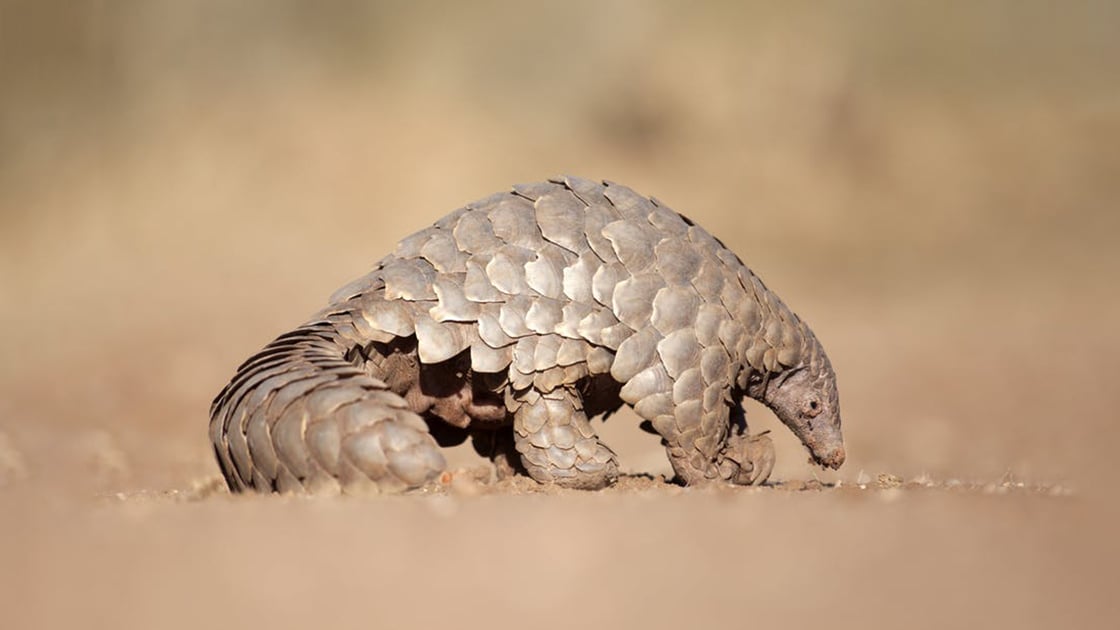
(887, 480)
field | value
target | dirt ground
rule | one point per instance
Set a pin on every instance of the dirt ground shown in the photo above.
(933, 189)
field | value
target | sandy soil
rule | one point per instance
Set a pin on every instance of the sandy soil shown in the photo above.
(934, 191)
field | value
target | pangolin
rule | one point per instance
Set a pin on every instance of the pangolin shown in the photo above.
(511, 322)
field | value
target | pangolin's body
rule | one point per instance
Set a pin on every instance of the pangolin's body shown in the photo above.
(535, 309)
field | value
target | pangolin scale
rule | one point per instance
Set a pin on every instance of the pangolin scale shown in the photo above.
(511, 322)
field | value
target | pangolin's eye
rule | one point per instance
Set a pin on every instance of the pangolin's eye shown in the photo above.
(812, 409)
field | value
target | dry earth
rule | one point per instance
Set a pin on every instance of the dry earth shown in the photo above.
(934, 190)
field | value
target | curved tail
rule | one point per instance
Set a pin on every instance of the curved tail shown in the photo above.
(299, 416)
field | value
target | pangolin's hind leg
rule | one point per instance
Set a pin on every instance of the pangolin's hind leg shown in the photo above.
(557, 444)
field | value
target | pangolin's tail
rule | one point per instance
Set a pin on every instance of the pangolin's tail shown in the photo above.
(299, 416)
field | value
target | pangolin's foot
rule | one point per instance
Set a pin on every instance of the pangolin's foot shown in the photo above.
(557, 444)
(497, 446)
(747, 460)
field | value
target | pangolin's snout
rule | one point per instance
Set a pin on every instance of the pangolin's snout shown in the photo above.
(832, 458)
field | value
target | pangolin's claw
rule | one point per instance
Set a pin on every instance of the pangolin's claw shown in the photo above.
(748, 460)
(761, 452)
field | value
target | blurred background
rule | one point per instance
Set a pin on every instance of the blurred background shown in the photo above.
(932, 186)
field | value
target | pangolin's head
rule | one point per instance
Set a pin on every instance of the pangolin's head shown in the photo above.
(805, 399)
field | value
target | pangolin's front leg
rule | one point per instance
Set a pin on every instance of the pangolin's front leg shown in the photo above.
(746, 459)
(694, 433)
(683, 390)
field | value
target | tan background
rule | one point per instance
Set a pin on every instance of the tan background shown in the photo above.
(933, 186)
